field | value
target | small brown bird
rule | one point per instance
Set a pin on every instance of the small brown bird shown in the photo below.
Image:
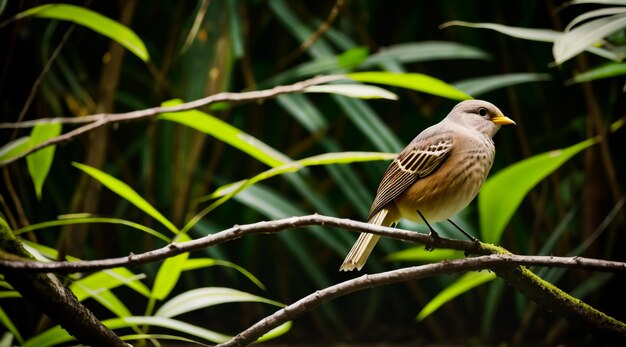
(437, 175)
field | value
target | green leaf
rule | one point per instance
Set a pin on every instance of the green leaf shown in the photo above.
(504, 192)
(173, 324)
(322, 159)
(94, 21)
(169, 273)
(414, 81)
(463, 284)
(87, 220)
(417, 254)
(604, 71)
(8, 324)
(579, 39)
(197, 263)
(481, 85)
(39, 162)
(51, 337)
(236, 32)
(14, 148)
(103, 280)
(352, 57)
(541, 35)
(196, 299)
(125, 191)
(353, 91)
(412, 52)
(227, 133)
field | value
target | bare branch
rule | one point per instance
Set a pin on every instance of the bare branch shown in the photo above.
(614, 329)
(98, 120)
(238, 231)
(507, 266)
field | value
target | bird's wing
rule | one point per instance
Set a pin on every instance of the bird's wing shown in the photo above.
(419, 159)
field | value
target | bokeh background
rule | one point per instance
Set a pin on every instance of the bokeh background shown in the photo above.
(247, 45)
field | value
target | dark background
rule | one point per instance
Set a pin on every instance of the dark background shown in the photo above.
(171, 165)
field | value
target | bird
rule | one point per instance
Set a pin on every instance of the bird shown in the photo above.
(436, 176)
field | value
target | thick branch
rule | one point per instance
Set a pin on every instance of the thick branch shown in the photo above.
(238, 231)
(613, 329)
(507, 266)
(98, 120)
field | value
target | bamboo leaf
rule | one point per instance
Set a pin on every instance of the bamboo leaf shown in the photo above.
(227, 133)
(353, 91)
(417, 254)
(6, 321)
(88, 220)
(582, 37)
(481, 85)
(322, 159)
(14, 148)
(199, 298)
(169, 273)
(463, 284)
(604, 71)
(94, 21)
(125, 191)
(198, 263)
(412, 52)
(414, 81)
(542, 35)
(39, 163)
(504, 192)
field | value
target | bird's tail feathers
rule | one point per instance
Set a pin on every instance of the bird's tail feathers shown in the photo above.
(364, 244)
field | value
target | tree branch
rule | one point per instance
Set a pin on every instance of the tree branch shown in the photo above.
(608, 328)
(98, 120)
(237, 231)
(506, 265)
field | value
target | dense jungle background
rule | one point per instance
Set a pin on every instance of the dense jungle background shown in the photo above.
(200, 48)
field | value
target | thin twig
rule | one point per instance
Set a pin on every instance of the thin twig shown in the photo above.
(98, 120)
(321, 30)
(238, 231)
(42, 74)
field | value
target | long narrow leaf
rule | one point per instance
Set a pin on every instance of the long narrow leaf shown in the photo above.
(14, 148)
(322, 159)
(463, 284)
(414, 81)
(511, 185)
(582, 37)
(125, 191)
(199, 298)
(39, 162)
(481, 85)
(605, 71)
(198, 263)
(94, 21)
(6, 321)
(353, 91)
(169, 273)
(88, 220)
(227, 133)
(412, 52)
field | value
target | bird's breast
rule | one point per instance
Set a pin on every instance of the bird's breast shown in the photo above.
(453, 186)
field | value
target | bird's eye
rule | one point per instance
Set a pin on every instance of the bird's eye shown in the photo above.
(482, 111)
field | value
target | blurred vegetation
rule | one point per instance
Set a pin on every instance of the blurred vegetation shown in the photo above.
(199, 48)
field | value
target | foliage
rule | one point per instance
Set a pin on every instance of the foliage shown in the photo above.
(186, 174)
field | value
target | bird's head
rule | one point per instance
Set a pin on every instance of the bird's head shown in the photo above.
(479, 115)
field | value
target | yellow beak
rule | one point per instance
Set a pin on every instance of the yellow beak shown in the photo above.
(502, 120)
